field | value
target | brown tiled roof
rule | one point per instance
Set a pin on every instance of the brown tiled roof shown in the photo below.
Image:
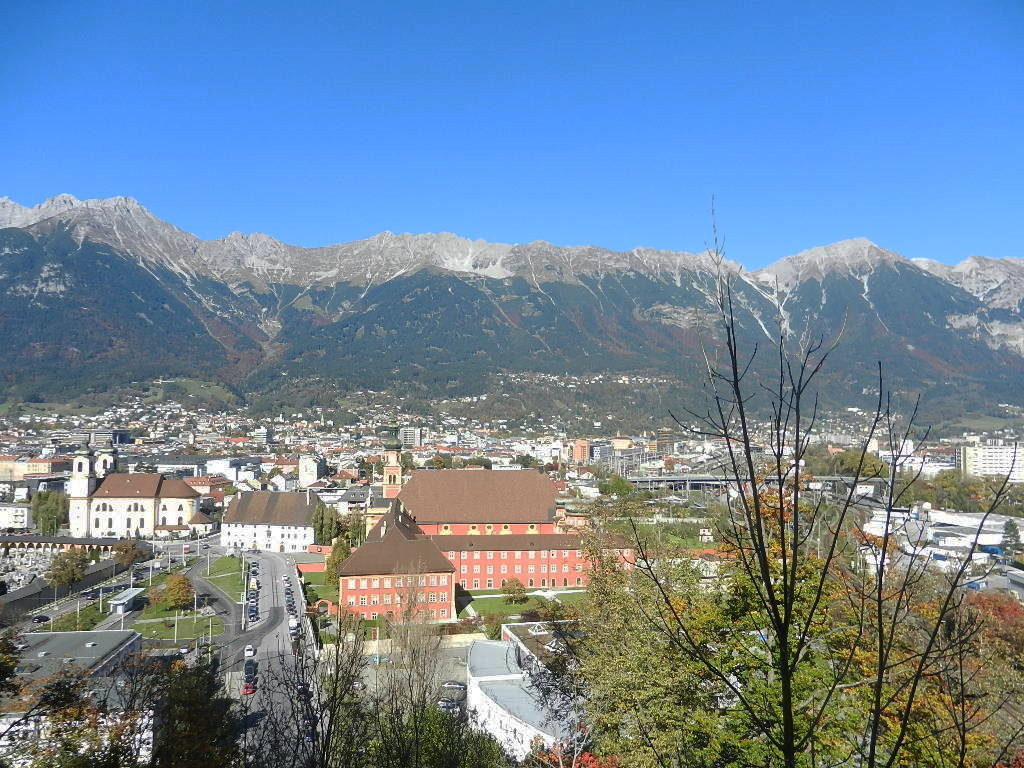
(200, 518)
(458, 496)
(395, 545)
(141, 485)
(513, 541)
(271, 508)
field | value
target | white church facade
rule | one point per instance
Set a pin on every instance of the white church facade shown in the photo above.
(106, 504)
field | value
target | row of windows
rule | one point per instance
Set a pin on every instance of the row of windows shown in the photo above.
(489, 528)
(531, 583)
(128, 522)
(504, 555)
(133, 507)
(424, 597)
(434, 580)
(519, 568)
(434, 614)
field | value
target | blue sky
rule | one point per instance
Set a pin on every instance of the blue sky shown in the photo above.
(575, 122)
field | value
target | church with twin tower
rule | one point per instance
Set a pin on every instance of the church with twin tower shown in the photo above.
(104, 503)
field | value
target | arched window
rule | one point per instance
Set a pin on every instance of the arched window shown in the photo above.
(578, 581)
(163, 520)
(181, 520)
(181, 507)
(96, 523)
(110, 523)
(81, 466)
(163, 507)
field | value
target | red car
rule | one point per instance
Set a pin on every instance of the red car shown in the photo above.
(248, 689)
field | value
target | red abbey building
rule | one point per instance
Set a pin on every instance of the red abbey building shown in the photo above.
(476, 529)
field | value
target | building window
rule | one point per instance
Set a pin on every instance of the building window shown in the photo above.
(432, 598)
(433, 581)
(442, 580)
(504, 555)
(518, 569)
(490, 583)
(476, 583)
(110, 523)
(351, 583)
(387, 598)
(374, 599)
(518, 554)
(490, 569)
(532, 555)
(362, 583)
(490, 555)
(476, 555)
(543, 553)
(373, 615)
(96, 523)
(362, 599)
(387, 583)
(444, 613)
(504, 569)
(423, 581)
(531, 582)
(530, 569)
(476, 569)
(465, 569)
(543, 569)
(376, 583)
(442, 597)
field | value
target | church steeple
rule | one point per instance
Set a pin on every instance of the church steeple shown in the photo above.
(392, 462)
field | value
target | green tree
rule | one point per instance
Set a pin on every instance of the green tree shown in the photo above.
(49, 511)
(479, 461)
(526, 461)
(514, 591)
(338, 556)
(1011, 536)
(178, 591)
(614, 485)
(326, 526)
(407, 461)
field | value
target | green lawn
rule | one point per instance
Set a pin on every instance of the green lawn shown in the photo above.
(188, 629)
(88, 618)
(498, 607)
(226, 573)
(319, 588)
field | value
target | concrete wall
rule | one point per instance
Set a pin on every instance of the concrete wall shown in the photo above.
(39, 593)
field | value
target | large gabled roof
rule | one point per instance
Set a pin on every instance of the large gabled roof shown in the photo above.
(143, 485)
(396, 545)
(483, 496)
(271, 508)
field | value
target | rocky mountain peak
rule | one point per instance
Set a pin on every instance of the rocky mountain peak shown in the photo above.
(855, 257)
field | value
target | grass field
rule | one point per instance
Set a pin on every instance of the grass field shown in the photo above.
(496, 606)
(188, 629)
(74, 621)
(226, 573)
(325, 591)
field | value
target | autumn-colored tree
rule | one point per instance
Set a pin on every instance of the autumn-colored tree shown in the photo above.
(67, 567)
(178, 591)
(128, 552)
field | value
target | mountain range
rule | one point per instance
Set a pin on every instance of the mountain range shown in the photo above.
(99, 293)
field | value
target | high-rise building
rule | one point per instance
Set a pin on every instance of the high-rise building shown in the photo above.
(412, 437)
(992, 461)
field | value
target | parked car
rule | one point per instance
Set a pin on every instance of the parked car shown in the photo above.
(40, 619)
(250, 651)
(448, 706)
(453, 689)
(184, 650)
(248, 689)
